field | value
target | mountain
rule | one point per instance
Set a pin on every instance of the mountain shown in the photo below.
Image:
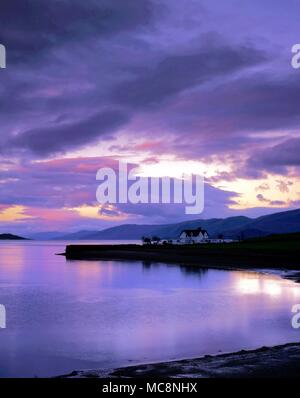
(79, 235)
(46, 235)
(135, 231)
(11, 237)
(122, 232)
(284, 222)
(232, 227)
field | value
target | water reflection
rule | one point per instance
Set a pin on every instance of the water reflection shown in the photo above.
(84, 314)
(257, 284)
(185, 269)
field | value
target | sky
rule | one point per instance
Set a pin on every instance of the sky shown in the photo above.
(198, 86)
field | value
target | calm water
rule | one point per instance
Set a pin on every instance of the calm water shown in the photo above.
(64, 315)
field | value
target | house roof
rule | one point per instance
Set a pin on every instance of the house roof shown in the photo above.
(194, 232)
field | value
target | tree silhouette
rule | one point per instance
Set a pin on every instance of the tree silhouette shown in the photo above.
(156, 239)
(146, 241)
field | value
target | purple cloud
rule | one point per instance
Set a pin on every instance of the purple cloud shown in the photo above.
(39, 27)
(56, 138)
(178, 72)
(150, 79)
(278, 156)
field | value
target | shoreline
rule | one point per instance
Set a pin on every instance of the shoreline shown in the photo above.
(224, 256)
(278, 361)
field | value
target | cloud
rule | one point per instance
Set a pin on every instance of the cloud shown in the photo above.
(279, 156)
(283, 186)
(63, 185)
(31, 28)
(62, 60)
(145, 79)
(59, 138)
(277, 203)
(263, 187)
(261, 198)
(239, 117)
(179, 72)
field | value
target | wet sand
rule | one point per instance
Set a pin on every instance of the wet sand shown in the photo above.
(279, 361)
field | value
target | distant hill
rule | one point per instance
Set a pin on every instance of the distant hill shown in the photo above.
(11, 237)
(79, 235)
(232, 227)
(46, 235)
(122, 232)
(284, 222)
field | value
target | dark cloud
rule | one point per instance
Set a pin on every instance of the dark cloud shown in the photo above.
(277, 157)
(59, 138)
(257, 103)
(179, 72)
(78, 80)
(31, 27)
(270, 202)
(235, 121)
(61, 61)
(261, 198)
(226, 116)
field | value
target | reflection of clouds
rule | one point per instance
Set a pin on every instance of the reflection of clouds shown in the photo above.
(13, 259)
(248, 286)
(296, 291)
(258, 284)
(272, 288)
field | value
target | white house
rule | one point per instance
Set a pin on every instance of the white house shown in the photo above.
(189, 236)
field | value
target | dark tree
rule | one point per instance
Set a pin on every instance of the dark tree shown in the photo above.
(146, 241)
(156, 239)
